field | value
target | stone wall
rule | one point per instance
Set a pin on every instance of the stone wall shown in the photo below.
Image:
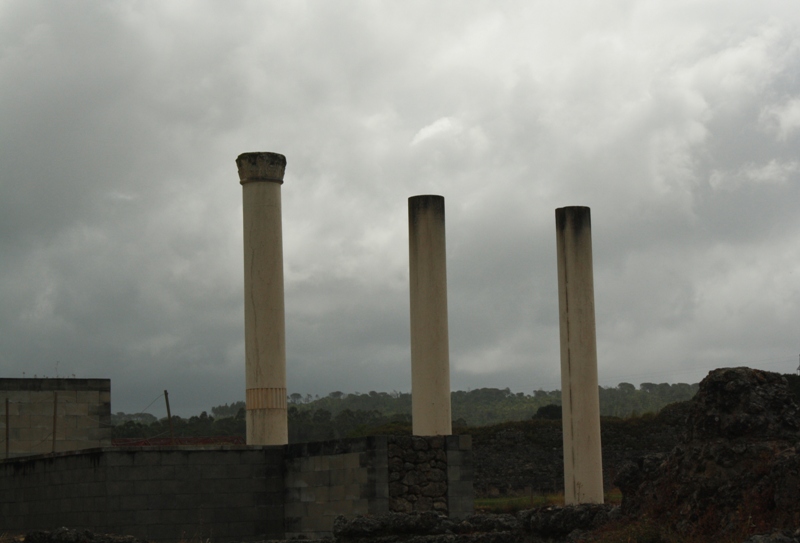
(427, 474)
(81, 415)
(155, 494)
(326, 479)
(231, 493)
(375, 475)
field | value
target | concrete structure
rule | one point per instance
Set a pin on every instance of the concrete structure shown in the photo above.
(53, 415)
(261, 177)
(583, 464)
(232, 493)
(430, 349)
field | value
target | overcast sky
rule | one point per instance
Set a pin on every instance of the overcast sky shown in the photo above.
(676, 121)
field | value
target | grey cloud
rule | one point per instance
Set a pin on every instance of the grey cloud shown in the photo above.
(120, 221)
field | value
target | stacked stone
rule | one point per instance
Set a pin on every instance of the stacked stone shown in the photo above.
(417, 474)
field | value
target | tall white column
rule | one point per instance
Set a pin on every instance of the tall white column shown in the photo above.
(583, 463)
(261, 177)
(430, 348)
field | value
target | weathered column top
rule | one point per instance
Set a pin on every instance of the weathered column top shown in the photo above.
(577, 217)
(256, 167)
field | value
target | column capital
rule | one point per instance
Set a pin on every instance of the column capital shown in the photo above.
(260, 167)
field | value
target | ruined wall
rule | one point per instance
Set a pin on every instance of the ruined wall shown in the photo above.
(152, 493)
(82, 415)
(430, 474)
(233, 493)
(375, 475)
(326, 479)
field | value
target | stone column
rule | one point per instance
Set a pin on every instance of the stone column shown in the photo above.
(261, 176)
(583, 464)
(430, 349)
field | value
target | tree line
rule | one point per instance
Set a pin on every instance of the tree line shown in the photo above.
(339, 415)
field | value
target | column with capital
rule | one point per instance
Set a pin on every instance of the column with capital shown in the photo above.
(261, 177)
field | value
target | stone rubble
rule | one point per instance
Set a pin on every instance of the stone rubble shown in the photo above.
(737, 469)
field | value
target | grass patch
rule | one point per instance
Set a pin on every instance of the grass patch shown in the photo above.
(514, 504)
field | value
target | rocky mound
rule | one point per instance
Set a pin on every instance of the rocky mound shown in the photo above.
(511, 457)
(737, 469)
(67, 535)
(536, 525)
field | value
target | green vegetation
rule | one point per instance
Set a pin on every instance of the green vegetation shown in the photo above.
(339, 415)
(485, 406)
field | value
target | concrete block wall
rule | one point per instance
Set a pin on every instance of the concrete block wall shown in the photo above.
(156, 494)
(345, 477)
(357, 477)
(460, 491)
(82, 415)
(229, 493)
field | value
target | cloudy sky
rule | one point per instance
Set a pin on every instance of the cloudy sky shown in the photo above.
(677, 122)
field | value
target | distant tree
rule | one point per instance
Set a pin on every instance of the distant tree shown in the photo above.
(548, 412)
(223, 411)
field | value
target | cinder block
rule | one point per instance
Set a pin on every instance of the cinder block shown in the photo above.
(361, 507)
(158, 502)
(88, 397)
(147, 487)
(322, 494)
(239, 471)
(337, 493)
(240, 530)
(242, 500)
(147, 458)
(174, 458)
(41, 418)
(71, 433)
(235, 514)
(202, 458)
(321, 478)
(296, 509)
(360, 476)
(378, 506)
(163, 473)
(297, 480)
(168, 532)
(293, 494)
(292, 526)
(274, 486)
(73, 409)
(146, 516)
(351, 461)
(119, 458)
(381, 491)
(138, 531)
(352, 492)
(315, 511)
(308, 494)
(187, 502)
(133, 503)
(16, 396)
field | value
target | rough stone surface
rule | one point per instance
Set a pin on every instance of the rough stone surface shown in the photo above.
(561, 521)
(737, 468)
(67, 535)
(417, 474)
(529, 454)
(543, 524)
(777, 537)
